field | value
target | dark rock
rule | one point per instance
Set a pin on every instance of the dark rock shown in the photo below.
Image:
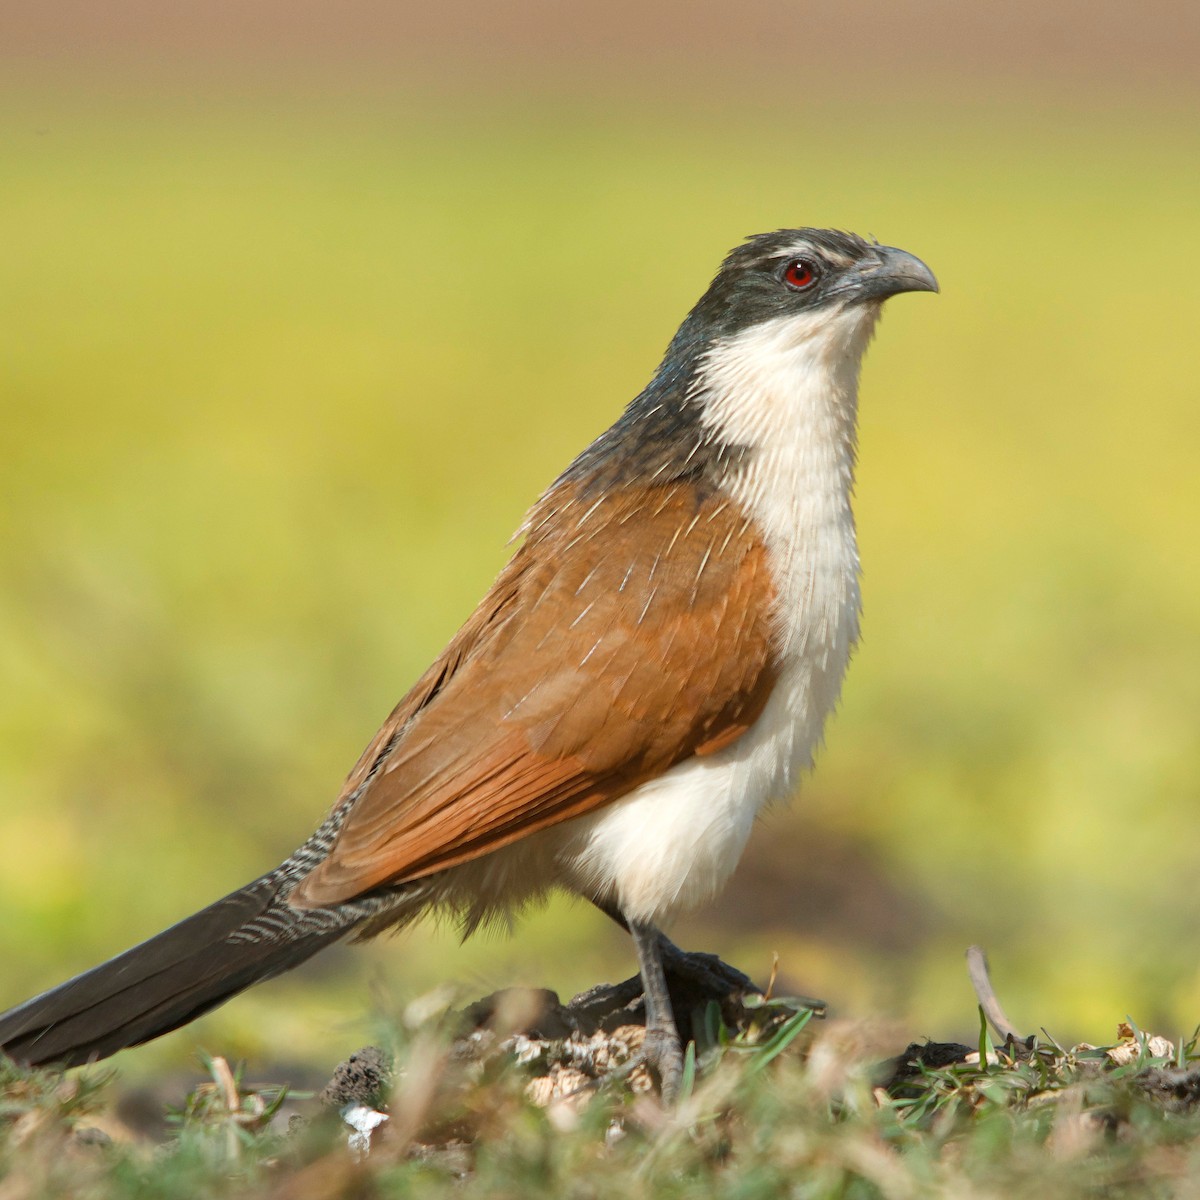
(901, 1072)
(364, 1078)
(1177, 1089)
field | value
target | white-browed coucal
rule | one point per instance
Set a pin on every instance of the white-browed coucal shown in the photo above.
(654, 664)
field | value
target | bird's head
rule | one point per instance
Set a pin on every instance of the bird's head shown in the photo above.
(798, 273)
(781, 328)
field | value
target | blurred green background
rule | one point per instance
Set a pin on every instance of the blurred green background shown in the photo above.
(300, 313)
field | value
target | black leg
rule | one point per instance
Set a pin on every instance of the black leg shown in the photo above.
(662, 1048)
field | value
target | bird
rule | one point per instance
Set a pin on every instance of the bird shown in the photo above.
(654, 664)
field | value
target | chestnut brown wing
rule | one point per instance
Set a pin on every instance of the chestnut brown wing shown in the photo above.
(629, 632)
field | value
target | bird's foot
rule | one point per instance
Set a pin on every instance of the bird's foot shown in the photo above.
(663, 1054)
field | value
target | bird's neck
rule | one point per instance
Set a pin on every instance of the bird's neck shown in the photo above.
(776, 403)
(662, 436)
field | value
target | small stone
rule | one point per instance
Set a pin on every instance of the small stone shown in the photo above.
(363, 1121)
(89, 1135)
(362, 1079)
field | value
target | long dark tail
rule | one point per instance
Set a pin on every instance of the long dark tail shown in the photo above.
(250, 935)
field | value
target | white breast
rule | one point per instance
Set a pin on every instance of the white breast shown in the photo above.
(787, 390)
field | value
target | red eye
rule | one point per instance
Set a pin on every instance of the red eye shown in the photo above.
(799, 274)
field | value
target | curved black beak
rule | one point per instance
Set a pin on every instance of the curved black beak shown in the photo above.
(885, 271)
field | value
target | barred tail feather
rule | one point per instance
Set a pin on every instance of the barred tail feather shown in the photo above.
(174, 977)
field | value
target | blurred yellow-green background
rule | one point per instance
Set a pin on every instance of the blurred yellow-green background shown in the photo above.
(302, 305)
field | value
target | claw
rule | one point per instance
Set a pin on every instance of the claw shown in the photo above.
(662, 1052)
